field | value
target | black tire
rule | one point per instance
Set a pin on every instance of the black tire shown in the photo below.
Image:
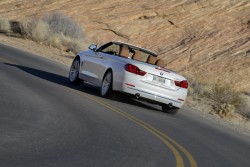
(74, 72)
(106, 87)
(170, 110)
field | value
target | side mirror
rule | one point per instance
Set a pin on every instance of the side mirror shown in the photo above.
(93, 47)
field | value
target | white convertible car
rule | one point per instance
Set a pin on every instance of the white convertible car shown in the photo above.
(118, 66)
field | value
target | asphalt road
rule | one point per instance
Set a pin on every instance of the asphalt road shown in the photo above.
(45, 121)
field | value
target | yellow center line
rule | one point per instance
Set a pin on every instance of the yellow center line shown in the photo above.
(160, 135)
(189, 156)
(179, 160)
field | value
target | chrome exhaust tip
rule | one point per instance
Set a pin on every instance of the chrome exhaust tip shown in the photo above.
(137, 95)
(170, 105)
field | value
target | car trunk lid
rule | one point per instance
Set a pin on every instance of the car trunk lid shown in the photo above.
(159, 76)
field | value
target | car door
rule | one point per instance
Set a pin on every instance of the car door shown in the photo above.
(97, 62)
(92, 68)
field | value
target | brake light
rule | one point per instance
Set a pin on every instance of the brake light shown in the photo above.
(134, 69)
(182, 84)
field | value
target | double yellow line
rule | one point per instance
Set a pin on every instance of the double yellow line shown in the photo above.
(169, 142)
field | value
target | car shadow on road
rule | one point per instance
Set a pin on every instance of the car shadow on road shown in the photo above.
(86, 88)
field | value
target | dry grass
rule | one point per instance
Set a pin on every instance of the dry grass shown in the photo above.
(221, 96)
(54, 29)
(244, 109)
(61, 24)
(40, 32)
(4, 25)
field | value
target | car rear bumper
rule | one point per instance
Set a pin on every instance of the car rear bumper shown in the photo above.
(135, 85)
(152, 96)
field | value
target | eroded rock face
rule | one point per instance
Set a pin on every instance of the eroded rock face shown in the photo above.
(205, 39)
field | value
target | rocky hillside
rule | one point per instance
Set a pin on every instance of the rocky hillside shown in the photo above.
(208, 40)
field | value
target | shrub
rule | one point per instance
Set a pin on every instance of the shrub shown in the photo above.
(73, 45)
(62, 42)
(225, 109)
(40, 32)
(244, 108)
(4, 25)
(16, 27)
(59, 23)
(55, 30)
(197, 89)
(27, 26)
(221, 94)
(55, 41)
(222, 97)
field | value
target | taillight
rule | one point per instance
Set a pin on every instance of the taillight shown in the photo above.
(134, 69)
(182, 84)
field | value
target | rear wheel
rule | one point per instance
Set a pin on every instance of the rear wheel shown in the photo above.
(169, 110)
(106, 87)
(74, 72)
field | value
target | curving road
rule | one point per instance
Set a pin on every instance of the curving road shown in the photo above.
(45, 121)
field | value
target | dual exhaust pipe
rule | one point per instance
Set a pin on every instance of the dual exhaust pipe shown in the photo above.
(138, 96)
